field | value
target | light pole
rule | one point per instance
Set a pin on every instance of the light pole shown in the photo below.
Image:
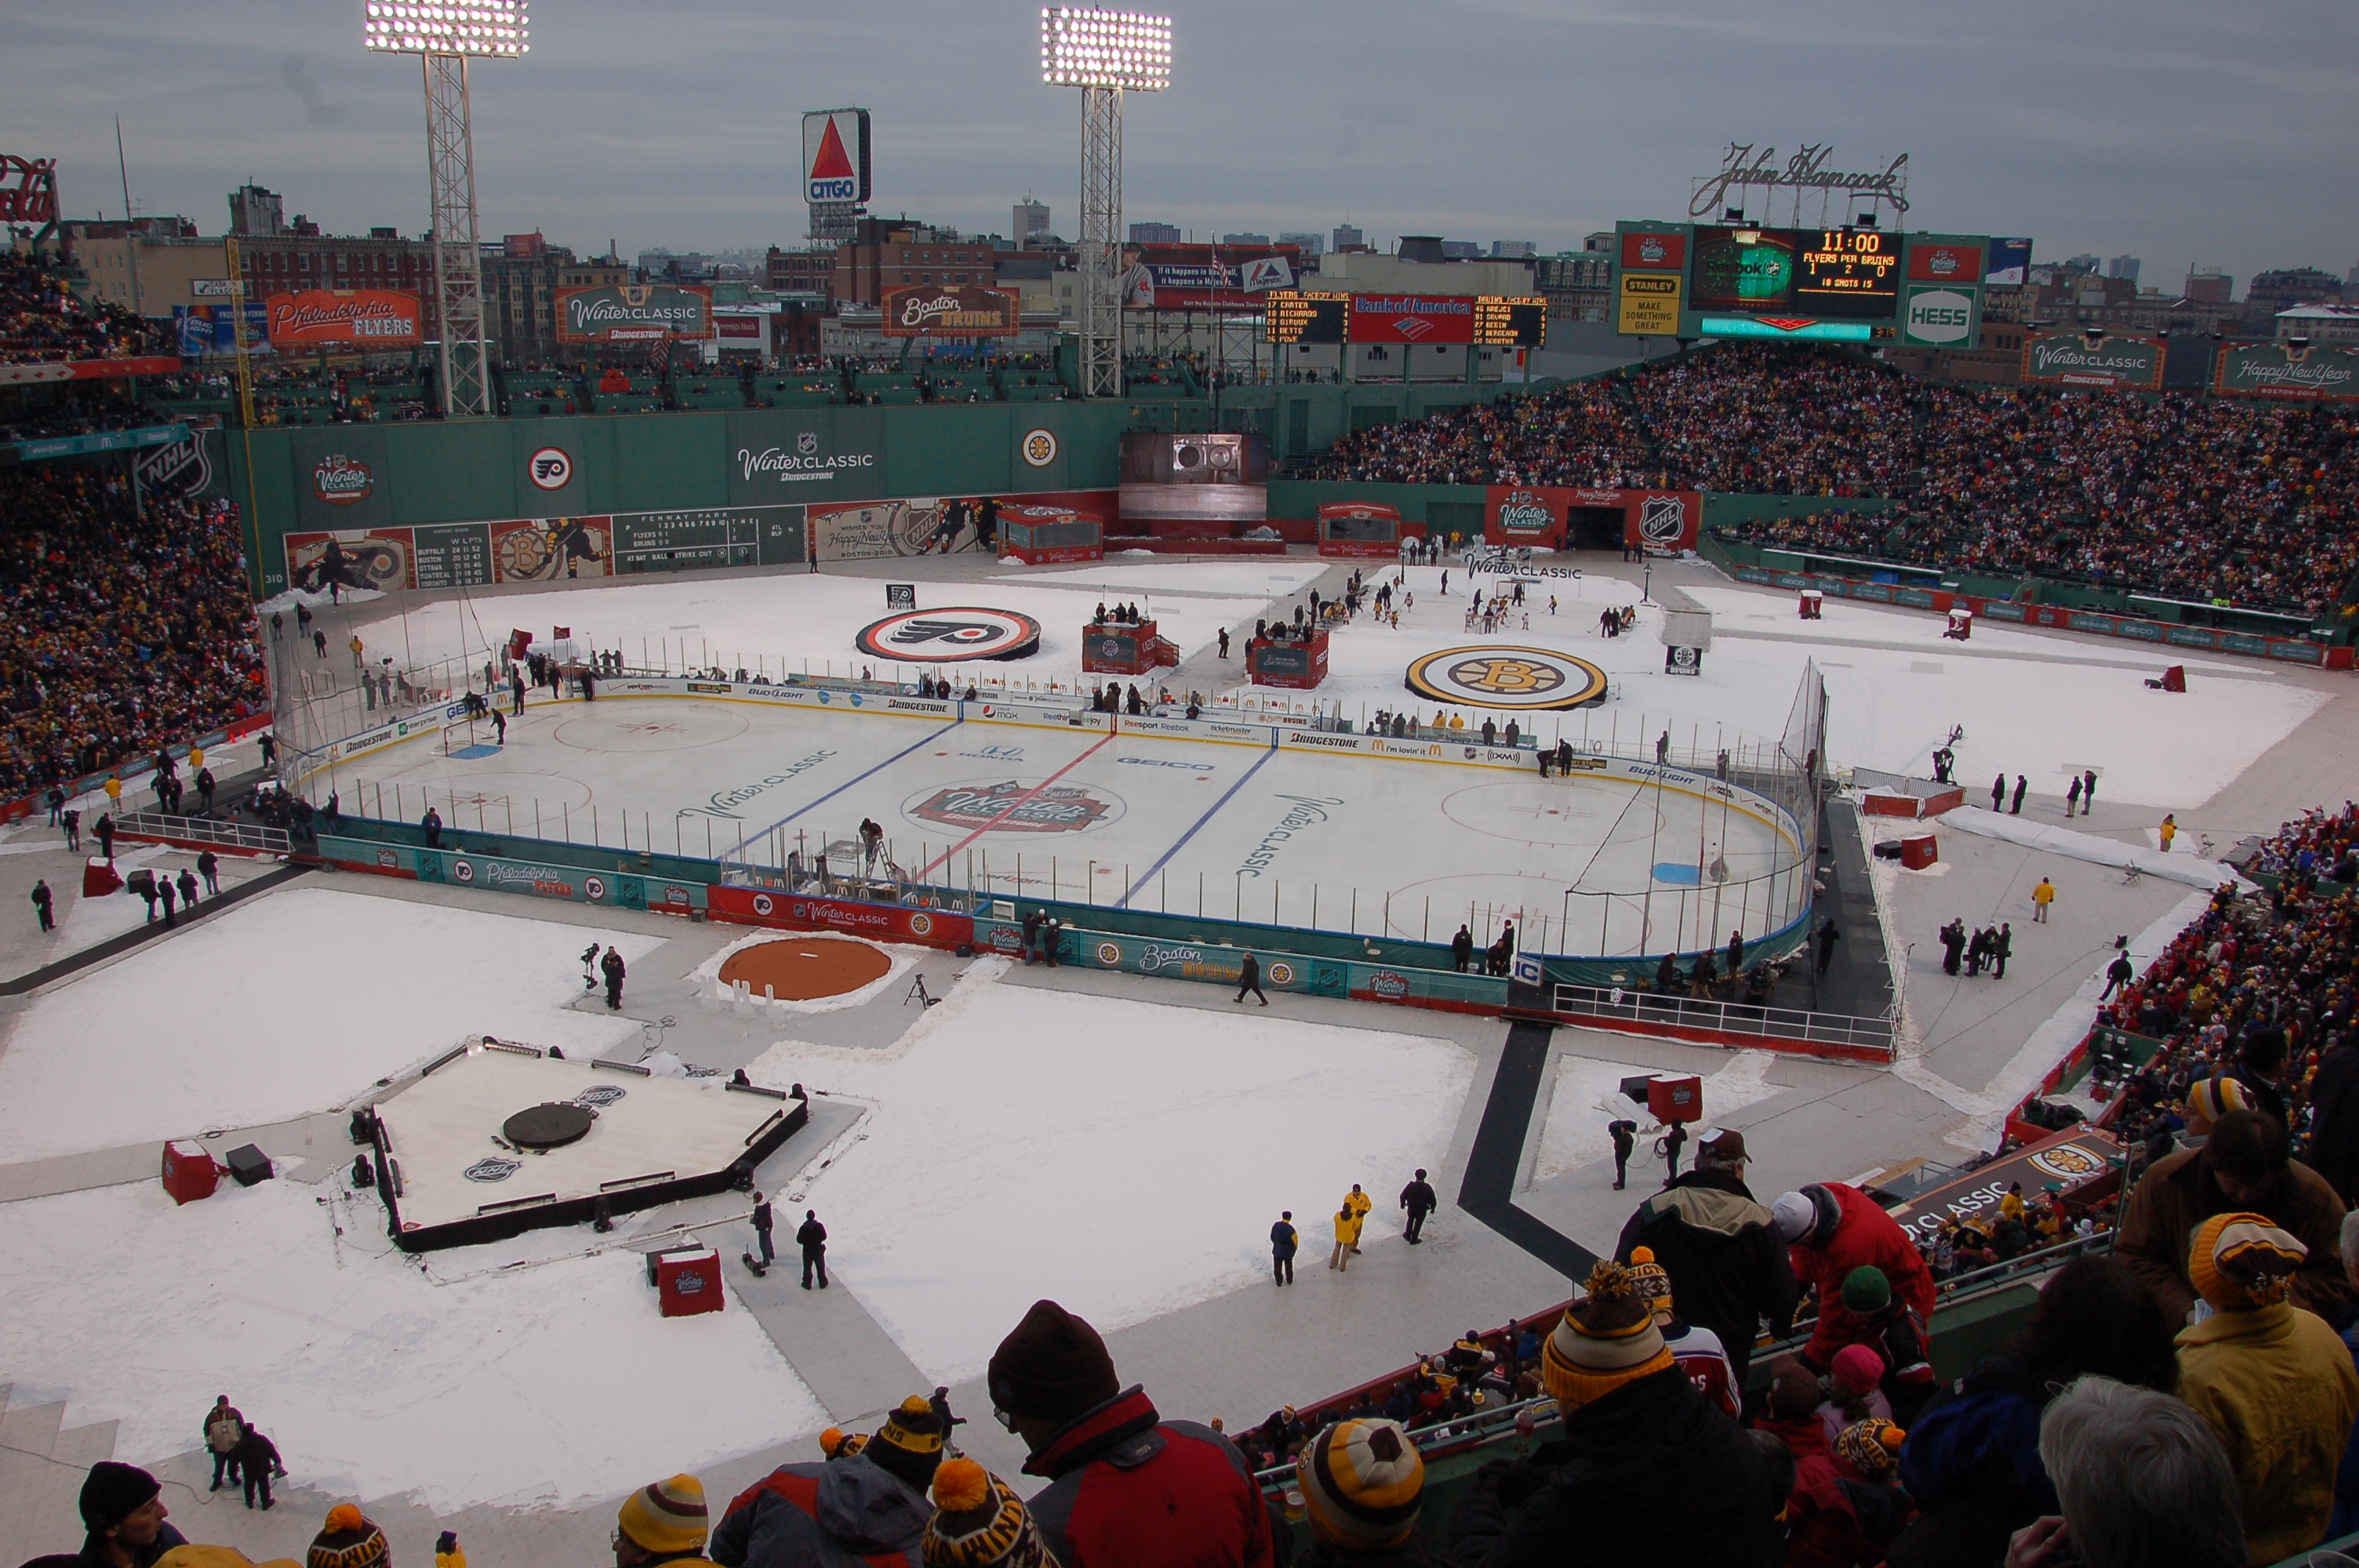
(444, 37)
(1102, 52)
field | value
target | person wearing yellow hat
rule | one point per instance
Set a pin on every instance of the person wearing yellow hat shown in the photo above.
(868, 1502)
(1697, 1352)
(1633, 1428)
(980, 1522)
(194, 1556)
(2244, 1166)
(1362, 1484)
(349, 1539)
(663, 1521)
(2274, 1383)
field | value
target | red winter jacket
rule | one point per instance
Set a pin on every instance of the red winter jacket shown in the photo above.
(1822, 1526)
(1129, 1489)
(1851, 1232)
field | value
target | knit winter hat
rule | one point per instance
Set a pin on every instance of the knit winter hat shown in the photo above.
(838, 1443)
(1872, 1447)
(666, 1517)
(1651, 1282)
(2239, 1261)
(1795, 1215)
(1363, 1483)
(1607, 1338)
(349, 1540)
(113, 1492)
(980, 1522)
(1866, 1291)
(190, 1555)
(1857, 1370)
(1052, 1366)
(910, 1443)
(2211, 1098)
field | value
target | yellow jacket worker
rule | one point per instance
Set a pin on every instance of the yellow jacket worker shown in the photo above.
(1347, 1239)
(1359, 1203)
(2041, 897)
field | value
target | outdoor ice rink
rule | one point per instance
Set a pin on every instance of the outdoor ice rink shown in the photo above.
(1377, 846)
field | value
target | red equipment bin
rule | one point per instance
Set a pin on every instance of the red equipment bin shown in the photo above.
(688, 1281)
(190, 1172)
(99, 877)
(1675, 1099)
(1918, 851)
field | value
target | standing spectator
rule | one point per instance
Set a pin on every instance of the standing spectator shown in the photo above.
(1362, 1485)
(868, 1501)
(123, 1512)
(1832, 1228)
(663, 1521)
(1720, 1250)
(1249, 979)
(447, 1553)
(1461, 949)
(269, 743)
(2041, 897)
(1283, 1242)
(2244, 1166)
(2118, 975)
(320, 641)
(1418, 1199)
(1999, 792)
(1647, 1471)
(2002, 944)
(980, 1522)
(2273, 1382)
(1347, 1239)
(2087, 792)
(222, 1426)
(1126, 1486)
(811, 1237)
(257, 1462)
(41, 902)
(2335, 1119)
(169, 896)
(1826, 938)
(1624, 1134)
(611, 966)
(208, 868)
(2021, 785)
(2072, 797)
(187, 882)
(358, 661)
(73, 830)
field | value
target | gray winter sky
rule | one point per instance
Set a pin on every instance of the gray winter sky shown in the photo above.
(2178, 131)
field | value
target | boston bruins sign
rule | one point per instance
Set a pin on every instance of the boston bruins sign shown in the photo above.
(1490, 675)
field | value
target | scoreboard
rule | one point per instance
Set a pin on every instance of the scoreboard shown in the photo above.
(1490, 320)
(1847, 285)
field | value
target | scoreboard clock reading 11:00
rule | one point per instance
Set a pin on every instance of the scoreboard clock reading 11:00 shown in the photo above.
(1832, 274)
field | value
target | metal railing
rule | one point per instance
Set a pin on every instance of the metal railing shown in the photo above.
(238, 835)
(1792, 1024)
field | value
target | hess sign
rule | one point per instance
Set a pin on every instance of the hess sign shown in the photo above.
(835, 156)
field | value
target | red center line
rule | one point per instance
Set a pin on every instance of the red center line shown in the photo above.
(1014, 807)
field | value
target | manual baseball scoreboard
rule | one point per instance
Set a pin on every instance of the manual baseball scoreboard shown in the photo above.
(1488, 321)
(1856, 285)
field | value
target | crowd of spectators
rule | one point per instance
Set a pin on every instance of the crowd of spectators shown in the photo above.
(41, 322)
(127, 632)
(2211, 499)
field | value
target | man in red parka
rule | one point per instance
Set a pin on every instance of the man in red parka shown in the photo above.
(1832, 1228)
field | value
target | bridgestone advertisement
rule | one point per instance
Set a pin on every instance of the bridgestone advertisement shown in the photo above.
(633, 313)
(2114, 363)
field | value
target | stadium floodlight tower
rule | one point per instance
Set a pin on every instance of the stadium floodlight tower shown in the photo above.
(1103, 53)
(445, 36)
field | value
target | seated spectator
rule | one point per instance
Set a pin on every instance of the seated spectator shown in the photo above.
(2141, 1483)
(1972, 1460)
(1114, 1464)
(980, 1522)
(865, 1503)
(2273, 1382)
(1832, 1230)
(122, 1511)
(349, 1539)
(1646, 1471)
(1362, 1485)
(1867, 1467)
(663, 1521)
(2243, 1166)
(1850, 1391)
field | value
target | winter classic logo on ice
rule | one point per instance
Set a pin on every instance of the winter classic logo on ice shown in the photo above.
(1011, 805)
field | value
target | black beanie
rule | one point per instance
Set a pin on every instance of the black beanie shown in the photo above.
(1051, 1367)
(112, 1493)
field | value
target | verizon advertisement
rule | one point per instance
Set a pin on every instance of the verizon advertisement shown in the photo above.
(343, 318)
(1412, 318)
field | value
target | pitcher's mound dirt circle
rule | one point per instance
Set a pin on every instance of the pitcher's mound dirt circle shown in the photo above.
(805, 968)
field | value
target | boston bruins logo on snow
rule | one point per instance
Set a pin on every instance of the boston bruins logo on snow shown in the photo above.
(1505, 678)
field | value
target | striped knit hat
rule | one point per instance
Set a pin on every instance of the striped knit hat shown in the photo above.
(349, 1540)
(1363, 1482)
(1607, 1338)
(838, 1443)
(2240, 1262)
(1651, 1282)
(666, 1516)
(1872, 1447)
(2213, 1098)
(980, 1522)
(910, 1444)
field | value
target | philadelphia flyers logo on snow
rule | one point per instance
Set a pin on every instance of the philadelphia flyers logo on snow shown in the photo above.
(928, 636)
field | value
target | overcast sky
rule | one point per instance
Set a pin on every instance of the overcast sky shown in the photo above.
(2178, 131)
